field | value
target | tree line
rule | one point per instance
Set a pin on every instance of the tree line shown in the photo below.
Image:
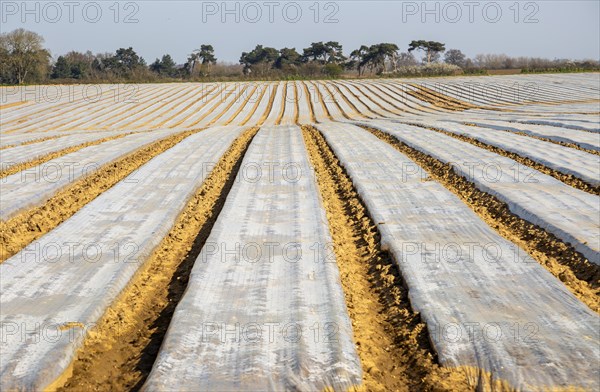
(23, 59)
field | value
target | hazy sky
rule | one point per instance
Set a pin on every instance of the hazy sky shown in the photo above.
(553, 29)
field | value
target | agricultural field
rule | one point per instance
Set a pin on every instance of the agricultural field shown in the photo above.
(378, 235)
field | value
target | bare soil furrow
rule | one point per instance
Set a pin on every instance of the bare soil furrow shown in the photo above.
(545, 139)
(120, 352)
(392, 341)
(568, 179)
(22, 229)
(56, 154)
(578, 274)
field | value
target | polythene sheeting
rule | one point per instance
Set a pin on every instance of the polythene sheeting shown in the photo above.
(20, 154)
(35, 185)
(264, 308)
(584, 139)
(54, 290)
(566, 160)
(568, 213)
(486, 304)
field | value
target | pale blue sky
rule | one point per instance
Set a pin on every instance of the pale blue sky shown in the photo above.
(556, 29)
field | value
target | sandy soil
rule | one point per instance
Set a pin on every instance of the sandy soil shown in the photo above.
(545, 139)
(53, 155)
(22, 229)
(578, 274)
(13, 104)
(392, 342)
(307, 96)
(568, 179)
(437, 99)
(118, 355)
(269, 108)
(41, 139)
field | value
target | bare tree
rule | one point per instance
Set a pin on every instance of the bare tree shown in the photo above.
(406, 59)
(455, 57)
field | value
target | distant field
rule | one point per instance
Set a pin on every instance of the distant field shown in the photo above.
(503, 71)
(304, 235)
